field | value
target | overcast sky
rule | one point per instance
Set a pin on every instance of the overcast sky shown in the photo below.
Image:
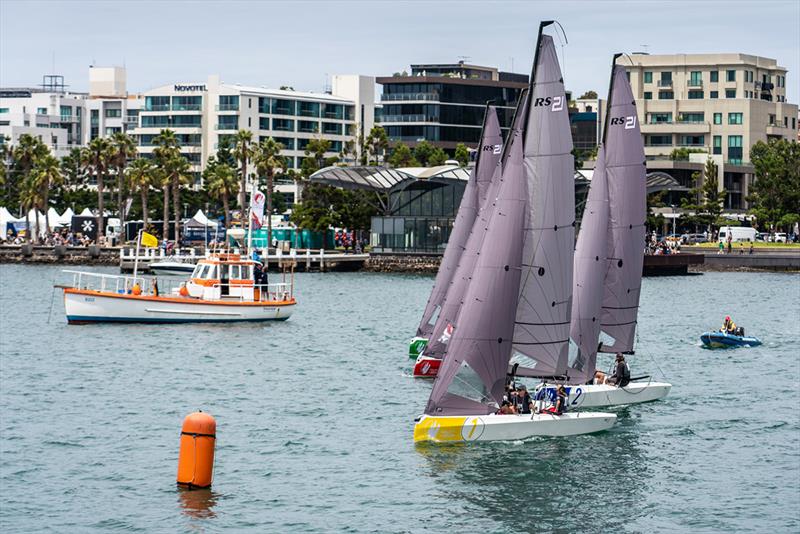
(299, 43)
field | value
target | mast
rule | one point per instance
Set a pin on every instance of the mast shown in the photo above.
(471, 201)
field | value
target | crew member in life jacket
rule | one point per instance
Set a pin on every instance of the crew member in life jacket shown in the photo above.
(728, 326)
(622, 374)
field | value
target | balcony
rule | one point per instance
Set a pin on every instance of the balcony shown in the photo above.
(434, 97)
(665, 83)
(233, 127)
(695, 83)
(409, 118)
(157, 107)
(676, 127)
(227, 107)
(186, 107)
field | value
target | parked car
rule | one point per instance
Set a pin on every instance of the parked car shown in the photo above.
(779, 237)
(690, 239)
(762, 236)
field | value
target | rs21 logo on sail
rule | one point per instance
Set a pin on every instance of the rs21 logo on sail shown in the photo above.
(556, 102)
(494, 149)
(629, 122)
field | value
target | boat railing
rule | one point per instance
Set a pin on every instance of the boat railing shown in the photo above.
(118, 283)
(261, 292)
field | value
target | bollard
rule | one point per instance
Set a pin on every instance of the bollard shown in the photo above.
(196, 456)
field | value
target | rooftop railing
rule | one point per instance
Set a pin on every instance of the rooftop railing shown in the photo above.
(410, 96)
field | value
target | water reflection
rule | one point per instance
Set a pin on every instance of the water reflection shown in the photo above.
(585, 483)
(197, 503)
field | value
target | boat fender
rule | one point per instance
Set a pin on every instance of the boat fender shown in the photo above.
(136, 290)
(183, 291)
(196, 455)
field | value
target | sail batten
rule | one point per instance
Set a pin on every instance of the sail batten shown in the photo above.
(474, 196)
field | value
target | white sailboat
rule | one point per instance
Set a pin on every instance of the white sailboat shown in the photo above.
(608, 260)
(518, 300)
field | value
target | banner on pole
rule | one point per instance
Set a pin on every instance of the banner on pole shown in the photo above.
(257, 209)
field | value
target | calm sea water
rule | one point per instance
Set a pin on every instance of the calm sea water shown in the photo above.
(315, 417)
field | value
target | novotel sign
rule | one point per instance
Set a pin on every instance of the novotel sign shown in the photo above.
(182, 88)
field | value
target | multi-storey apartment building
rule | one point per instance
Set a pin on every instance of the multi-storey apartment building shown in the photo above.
(203, 113)
(444, 103)
(720, 104)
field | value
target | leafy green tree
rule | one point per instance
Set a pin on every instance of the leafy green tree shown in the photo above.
(123, 147)
(377, 143)
(423, 152)
(588, 94)
(243, 151)
(225, 151)
(268, 161)
(461, 154)
(706, 200)
(141, 175)
(402, 157)
(221, 183)
(97, 158)
(315, 212)
(438, 157)
(682, 153)
(775, 195)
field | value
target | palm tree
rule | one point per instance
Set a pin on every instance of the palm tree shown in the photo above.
(47, 173)
(243, 152)
(222, 184)
(167, 148)
(30, 196)
(268, 160)
(124, 148)
(24, 155)
(177, 171)
(96, 158)
(141, 175)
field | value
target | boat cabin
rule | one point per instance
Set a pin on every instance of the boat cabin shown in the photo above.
(223, 275)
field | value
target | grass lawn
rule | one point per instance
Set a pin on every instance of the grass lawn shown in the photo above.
(757, 244)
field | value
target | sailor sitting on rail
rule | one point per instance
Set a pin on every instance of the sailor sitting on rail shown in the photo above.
(622, 374)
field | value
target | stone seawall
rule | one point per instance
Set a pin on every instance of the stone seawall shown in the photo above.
(389, 263)
(61, 255)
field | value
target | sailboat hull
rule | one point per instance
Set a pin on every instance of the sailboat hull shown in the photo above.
(602, 395)
(416, 346)
(452, 429)
(426, 367)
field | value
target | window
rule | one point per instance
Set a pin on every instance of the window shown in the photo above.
(730, 75)
(713, 94)
(308, 109)
(730, 93)
(648, 77)
(717, 144)
(227, 122)
(264, 104)
(283, 125)
(695, 95)
(695, 79)
(648, 95)
(697, 116)
(717, 118)
(714, 76)
(156, 103)
(287, 142)
(308, 126)
(794, 124)
(41, 111)
(771, 119)
(113, 113)
(660, 118)
(666, 95)
(692, 140)
(228, 103)
(735, 149)
(3, 110)
(111, 130)
(331, 128)
(734, 118)
(283, 107)
(333, 111)
(666, 77)
(66, 112)
(193, 121)
(151, 121)
(187, 103)
(786, 122)
(659, 140)
(302, 143)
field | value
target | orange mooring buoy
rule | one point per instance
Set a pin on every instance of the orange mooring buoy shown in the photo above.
(196, 456)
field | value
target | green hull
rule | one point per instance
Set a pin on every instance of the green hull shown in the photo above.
(416, 346)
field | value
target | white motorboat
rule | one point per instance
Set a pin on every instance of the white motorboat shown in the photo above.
(172, 268)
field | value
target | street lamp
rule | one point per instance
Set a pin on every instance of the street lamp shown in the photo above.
(673, 219)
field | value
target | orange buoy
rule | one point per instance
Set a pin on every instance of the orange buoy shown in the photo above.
(136, 290)
(184, 292)
(196, 456)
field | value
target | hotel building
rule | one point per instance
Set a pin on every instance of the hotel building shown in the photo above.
(203, 113)
(717, 104)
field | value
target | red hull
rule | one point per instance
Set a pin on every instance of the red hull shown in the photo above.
(426, 367)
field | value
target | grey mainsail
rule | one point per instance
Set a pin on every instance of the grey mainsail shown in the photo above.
(542, 323)
(475, 192)
(589, 272)
(473, 372)
(504, 307)
(627, 194)
(469, 258)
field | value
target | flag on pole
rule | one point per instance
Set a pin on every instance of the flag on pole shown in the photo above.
(257, 209)
(149, 240)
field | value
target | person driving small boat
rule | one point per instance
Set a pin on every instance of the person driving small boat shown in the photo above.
(728, 326)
